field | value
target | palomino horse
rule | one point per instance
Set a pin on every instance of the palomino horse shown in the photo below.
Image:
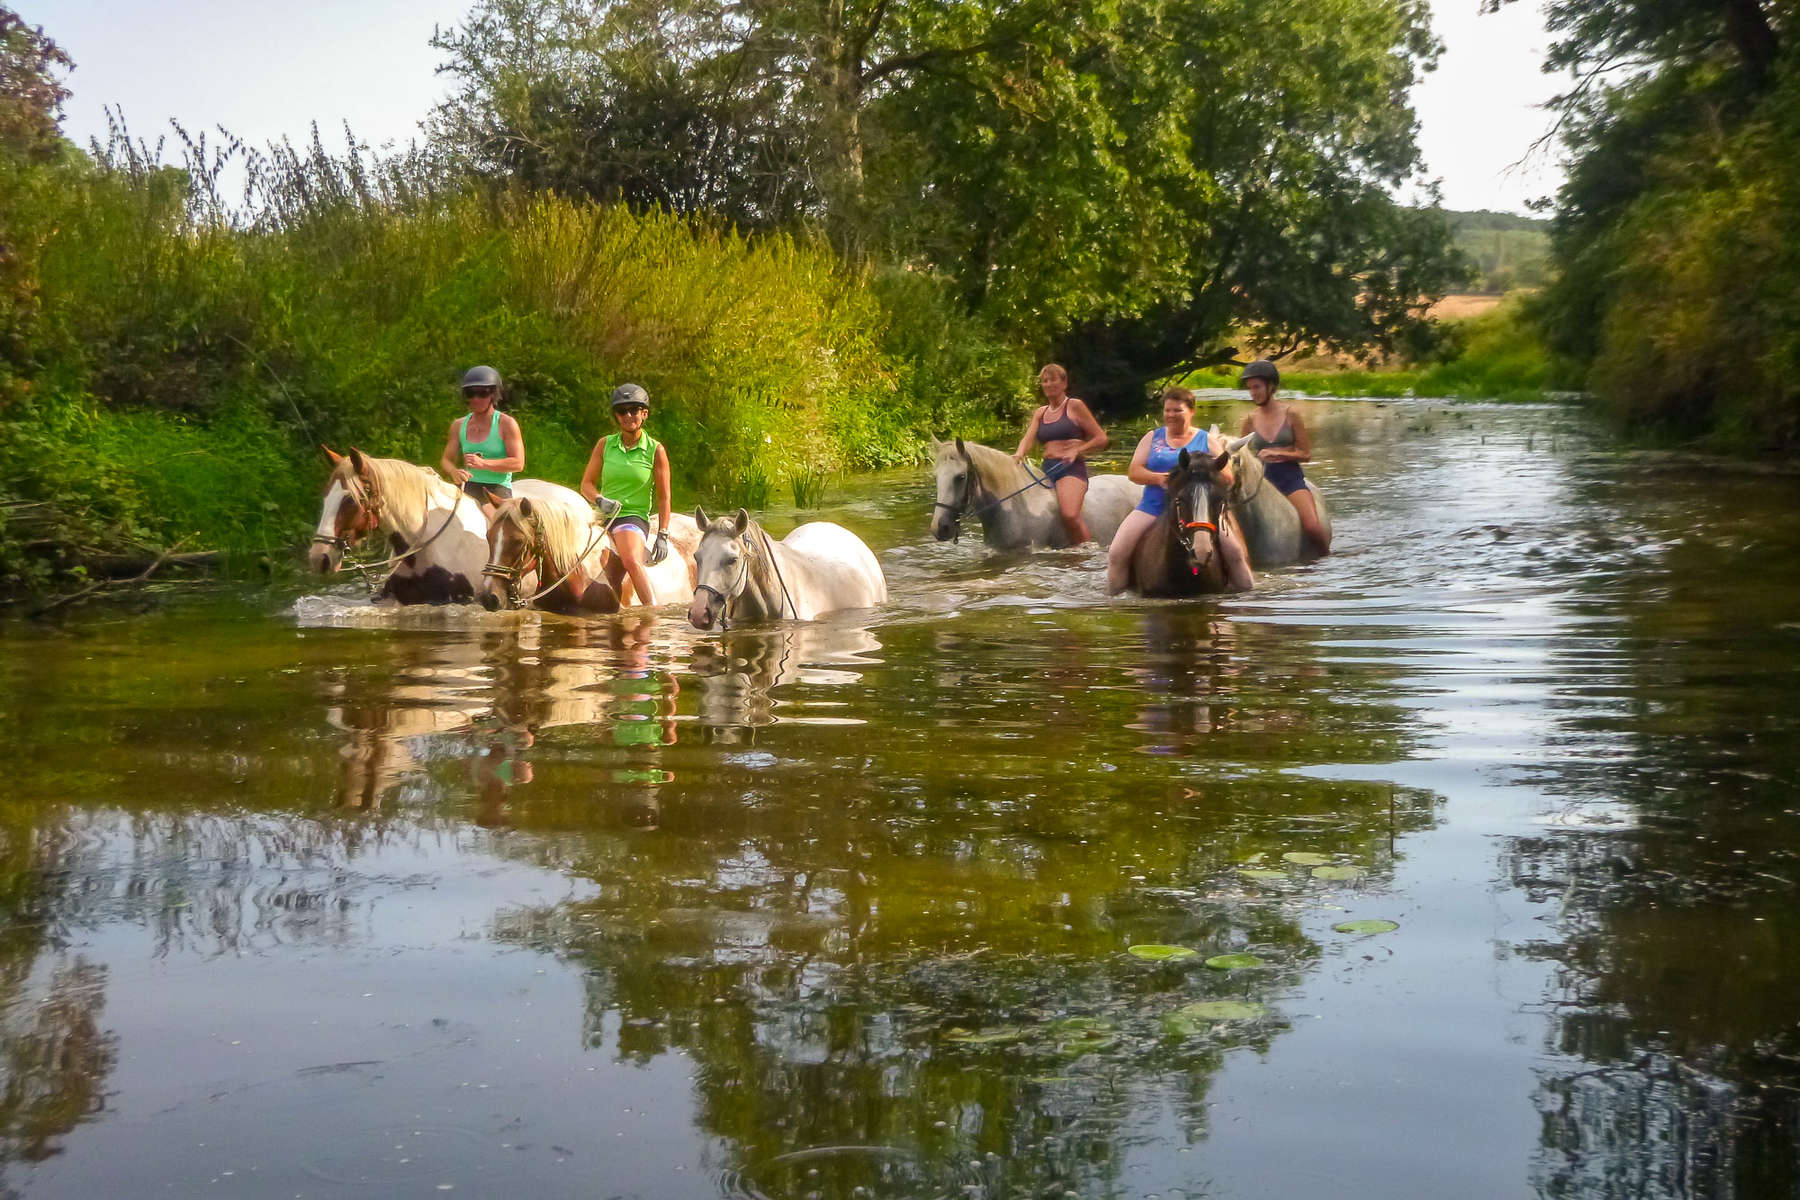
(1017, 508)
(550, 538)
(436, 535)
(740, 575)
(1271, 526)
(1180, 554)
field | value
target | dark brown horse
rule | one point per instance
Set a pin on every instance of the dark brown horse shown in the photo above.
(1180, 554)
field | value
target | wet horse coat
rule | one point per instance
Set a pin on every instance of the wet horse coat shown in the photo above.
(1267, 518)
(1016, 512)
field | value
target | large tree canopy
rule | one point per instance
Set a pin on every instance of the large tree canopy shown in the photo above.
(1133, 185)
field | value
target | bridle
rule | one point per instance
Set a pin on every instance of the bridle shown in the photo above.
(534, 540)
(743, 579)
(368, 500)
(969, 485)
(1187, 526)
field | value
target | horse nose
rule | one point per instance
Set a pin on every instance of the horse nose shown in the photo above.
(940, 531)
(700, 613)
(321, 561)
(490, 601)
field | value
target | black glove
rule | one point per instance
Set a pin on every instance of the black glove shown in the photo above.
(659, 549)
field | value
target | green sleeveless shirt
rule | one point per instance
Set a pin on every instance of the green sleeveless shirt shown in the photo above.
(493, 447)
(625, 473)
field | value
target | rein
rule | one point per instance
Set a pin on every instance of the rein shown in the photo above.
(737, 587)
(371, 521)
(961, 507)
(512, 575)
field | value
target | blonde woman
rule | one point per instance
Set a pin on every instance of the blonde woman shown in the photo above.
(1068, 432)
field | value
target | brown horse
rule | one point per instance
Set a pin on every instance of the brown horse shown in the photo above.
(553, 544)
(1180, 554)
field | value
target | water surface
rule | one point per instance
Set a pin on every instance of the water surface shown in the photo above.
(303, 900)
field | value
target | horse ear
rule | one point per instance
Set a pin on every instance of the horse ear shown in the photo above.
(742, 520)
(1184, 460)
(961, 449)
(358, 463)
(700, 518)
(525, 507)
(1220, 462)
(333, 455)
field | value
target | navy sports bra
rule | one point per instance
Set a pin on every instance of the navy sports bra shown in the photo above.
(1064, 429)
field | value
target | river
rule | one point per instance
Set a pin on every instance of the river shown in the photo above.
(305, 901)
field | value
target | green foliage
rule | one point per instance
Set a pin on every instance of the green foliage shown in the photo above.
(1505, 251)
(1673, 234)
(179, 368)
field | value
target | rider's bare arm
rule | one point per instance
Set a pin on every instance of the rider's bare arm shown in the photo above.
(451, 463)
(659, 478)
(1137, 472)
(1095, 436)
(590, 476)
(1030, 438)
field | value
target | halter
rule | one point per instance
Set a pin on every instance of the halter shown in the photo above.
(737, 587)
(968, 492)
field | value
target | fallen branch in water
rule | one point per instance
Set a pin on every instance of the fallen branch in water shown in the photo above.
(100, 585)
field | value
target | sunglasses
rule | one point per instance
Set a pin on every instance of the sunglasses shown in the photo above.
(626, 412)
(477, 392)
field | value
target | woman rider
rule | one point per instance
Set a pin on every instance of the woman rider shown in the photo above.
(485, 448)
(1157, 454)
(1278, 436)
(625, 468)
(1068, 433)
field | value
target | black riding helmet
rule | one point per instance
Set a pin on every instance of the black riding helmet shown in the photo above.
(1262, 368)
(480, 377)
(630, 395)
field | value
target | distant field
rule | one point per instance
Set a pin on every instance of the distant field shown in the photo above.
(1459, 306)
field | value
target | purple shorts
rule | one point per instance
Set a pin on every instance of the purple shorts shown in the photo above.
(1062, 468)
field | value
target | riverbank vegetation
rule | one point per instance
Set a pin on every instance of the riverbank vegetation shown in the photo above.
(1676, 264)
(813, 236)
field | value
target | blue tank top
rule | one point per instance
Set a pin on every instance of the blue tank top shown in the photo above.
(1163, 457)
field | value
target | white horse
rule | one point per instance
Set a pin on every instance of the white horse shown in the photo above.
(1271, 526)
(741, 575)
(1015, 509)
(437, 535)
(548, 539)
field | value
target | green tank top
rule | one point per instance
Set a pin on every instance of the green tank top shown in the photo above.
(625, 474)
(493, 447)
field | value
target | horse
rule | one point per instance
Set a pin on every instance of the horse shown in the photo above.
(550, 537)
(740, 575)
(1172, 558)
(437, 536)
(1267, 518)
(1016, 507)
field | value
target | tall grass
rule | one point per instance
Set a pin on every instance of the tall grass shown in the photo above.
(190, 349)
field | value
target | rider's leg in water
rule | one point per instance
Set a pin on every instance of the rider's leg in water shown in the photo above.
(1237, 561)
(1070, 493)
(1310, 526)
(629, 545)
(1124, 545)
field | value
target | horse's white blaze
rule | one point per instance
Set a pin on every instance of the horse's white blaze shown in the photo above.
(321, 557)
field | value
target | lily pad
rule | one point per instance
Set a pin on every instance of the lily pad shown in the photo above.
(1264, 875)
(1337, 874)
(1233, 962)
(1157, 953)
(1366, 927)
(1305, 858)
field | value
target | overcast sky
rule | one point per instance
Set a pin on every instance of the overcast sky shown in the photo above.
(263, 70)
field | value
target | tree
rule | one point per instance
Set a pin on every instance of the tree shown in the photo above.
(31, 95)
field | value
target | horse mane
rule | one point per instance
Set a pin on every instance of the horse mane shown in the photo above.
(996, 467)
(568, 530)
(406, 489)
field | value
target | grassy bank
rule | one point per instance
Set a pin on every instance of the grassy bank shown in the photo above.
(171, 371)
(1498, 355)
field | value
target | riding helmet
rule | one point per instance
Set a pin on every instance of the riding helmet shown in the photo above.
(1262, 368)
(476, 377)
(630, 395)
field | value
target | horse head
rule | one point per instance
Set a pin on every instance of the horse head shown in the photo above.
(956, 483)
(515, 543)
(352, 508)
(1247, 469)
(721, 567)
(1197, 504)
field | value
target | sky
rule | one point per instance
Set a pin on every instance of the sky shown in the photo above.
(264, 70)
